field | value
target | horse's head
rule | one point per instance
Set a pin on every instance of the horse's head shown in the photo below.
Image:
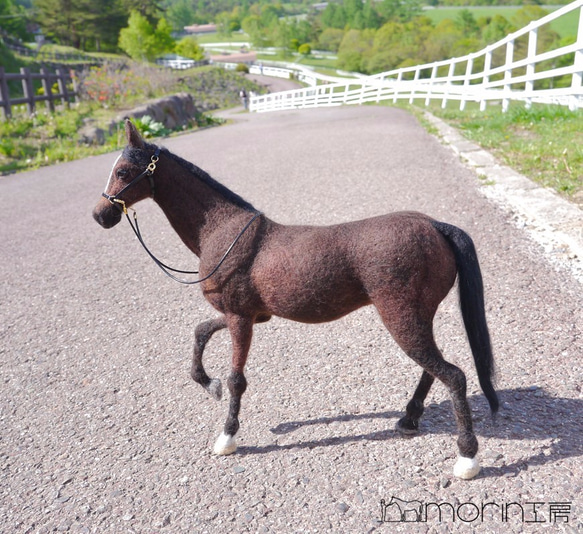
(127, 182)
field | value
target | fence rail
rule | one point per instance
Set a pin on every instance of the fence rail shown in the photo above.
(62, 77)
(496, 73)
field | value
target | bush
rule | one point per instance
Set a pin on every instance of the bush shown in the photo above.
(188, 47)
(108, 85)
(148, 127)
(305, 49)
(241, 67)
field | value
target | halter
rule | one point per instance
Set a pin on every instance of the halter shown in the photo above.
(116, 201)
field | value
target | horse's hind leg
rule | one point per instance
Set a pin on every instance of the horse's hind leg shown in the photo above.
(413, 331)
(409, 424)
(202, 334)
(432, 361)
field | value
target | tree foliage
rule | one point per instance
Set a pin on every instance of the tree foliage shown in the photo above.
(368, 35)
(13, 18)
(142, 42)
(188, 47)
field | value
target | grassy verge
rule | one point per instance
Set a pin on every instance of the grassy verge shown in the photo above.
(44, 139)
(544, 143)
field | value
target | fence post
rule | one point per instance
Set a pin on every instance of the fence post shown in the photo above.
(75, 82)
(27, 89)
(469, 67)
(429, 92)
(532, 38)
(448, 83)
(508, 75)
(486, 79)
(4, 95)
(415, 80)
(46, 82)
(62, 82)
(380, 88)
(399, 80)
(577, 78)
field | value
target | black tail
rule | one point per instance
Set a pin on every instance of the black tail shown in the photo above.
(471, 290)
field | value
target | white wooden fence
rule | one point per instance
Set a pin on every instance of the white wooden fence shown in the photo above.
(511, 69)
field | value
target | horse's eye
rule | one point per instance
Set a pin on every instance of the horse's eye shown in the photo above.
(121, 173)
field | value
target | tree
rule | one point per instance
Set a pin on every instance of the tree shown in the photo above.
(370, 15)
(396, 10)
(189, 47)
(164, 42)
(180, 14)
(147, 8)
(81, 23)
(330, 39)
(253, 28)
(496, 29)
(141, 41)
(466, 23)
(440, 42)
(333, 16)
(305, 49)
(355, 50)
(13, 18)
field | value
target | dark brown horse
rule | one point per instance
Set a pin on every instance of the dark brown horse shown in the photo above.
(403, 263)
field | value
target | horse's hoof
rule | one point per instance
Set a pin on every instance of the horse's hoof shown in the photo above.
(225, 445)
(215, 388)
(466, 468)
(407, 426)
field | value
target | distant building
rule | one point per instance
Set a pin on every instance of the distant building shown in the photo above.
(178, 62)
(238, 57)
(201, 28)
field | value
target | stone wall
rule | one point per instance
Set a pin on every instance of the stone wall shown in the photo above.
(172, 111)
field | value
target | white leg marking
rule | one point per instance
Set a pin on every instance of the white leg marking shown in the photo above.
(215, 388)
(466, 468)
(225, 444)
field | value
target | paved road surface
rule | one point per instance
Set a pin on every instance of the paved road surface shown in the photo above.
(273, 84)
(103, 430)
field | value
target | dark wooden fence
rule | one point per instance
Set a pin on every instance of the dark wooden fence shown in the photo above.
(29, 80)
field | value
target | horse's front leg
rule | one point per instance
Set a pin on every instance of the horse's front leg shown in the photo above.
(202, 334)
(241, 330)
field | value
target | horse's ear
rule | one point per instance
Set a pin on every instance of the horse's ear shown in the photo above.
(133, 136)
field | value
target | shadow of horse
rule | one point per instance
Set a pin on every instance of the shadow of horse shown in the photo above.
(525, 414)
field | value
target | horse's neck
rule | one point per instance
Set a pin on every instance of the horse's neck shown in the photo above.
(193, 207)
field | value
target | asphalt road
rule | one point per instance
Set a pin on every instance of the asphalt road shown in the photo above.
(102, 429)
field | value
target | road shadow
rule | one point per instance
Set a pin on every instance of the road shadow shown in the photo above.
(525, 414)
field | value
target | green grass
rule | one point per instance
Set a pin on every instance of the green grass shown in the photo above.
(44, 139)
(565, 26)
(209, 38)
(544, 143)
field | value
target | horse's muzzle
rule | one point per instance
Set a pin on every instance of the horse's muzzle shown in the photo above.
(107, 215)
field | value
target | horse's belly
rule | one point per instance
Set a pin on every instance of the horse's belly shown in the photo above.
(314, 298)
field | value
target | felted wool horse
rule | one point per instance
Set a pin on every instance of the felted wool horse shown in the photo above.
(252, 268)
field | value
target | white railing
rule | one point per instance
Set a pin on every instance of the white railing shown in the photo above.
(298, 72)
(492, 74)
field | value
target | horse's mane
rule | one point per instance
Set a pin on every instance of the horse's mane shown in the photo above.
(142, 158)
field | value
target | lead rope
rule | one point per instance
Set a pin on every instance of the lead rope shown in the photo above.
(166, 269)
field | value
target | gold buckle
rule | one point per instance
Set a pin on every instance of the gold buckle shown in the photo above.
(152, 164)
(123, 204)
